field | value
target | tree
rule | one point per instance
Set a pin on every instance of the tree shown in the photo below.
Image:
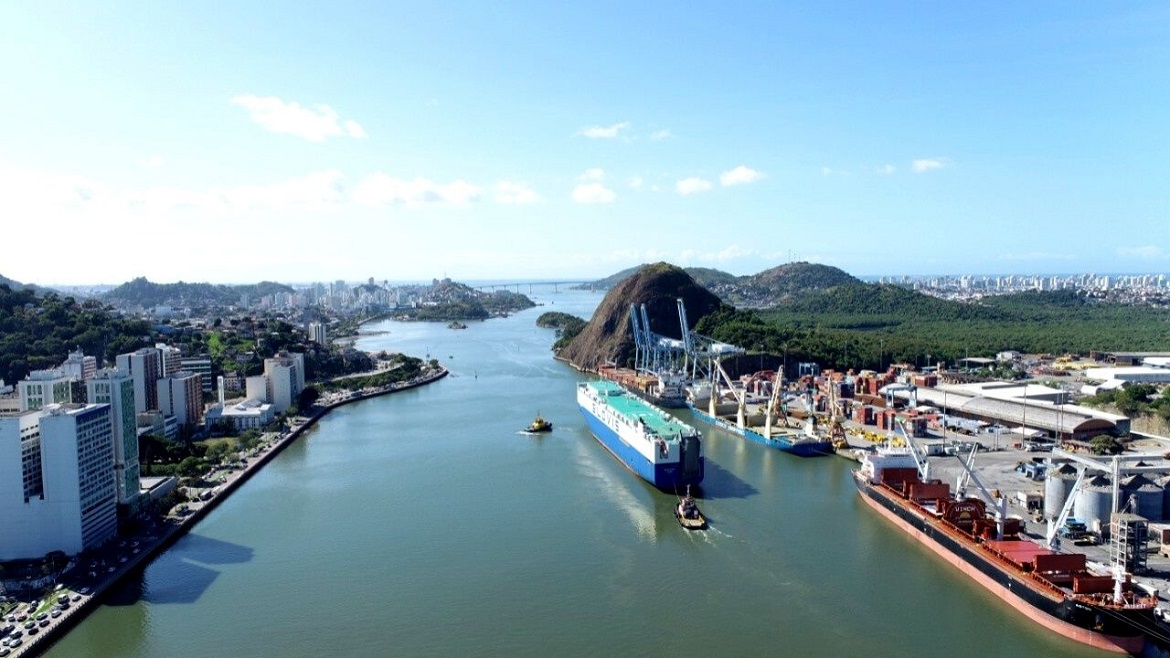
(191, 467)
(1103, 444)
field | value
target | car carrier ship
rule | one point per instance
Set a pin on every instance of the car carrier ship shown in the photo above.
(650, 442)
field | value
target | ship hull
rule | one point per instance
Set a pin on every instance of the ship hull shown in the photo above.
(1072, 619)
(803, 448)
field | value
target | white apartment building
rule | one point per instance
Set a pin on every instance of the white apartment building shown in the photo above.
(45, 387)
(145, 367)
(57, 490)
(285, 373)
(181, 395)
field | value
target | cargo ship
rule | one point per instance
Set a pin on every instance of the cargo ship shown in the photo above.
(662, 389)
(654, 445)
(762, 419)
(1056, 590)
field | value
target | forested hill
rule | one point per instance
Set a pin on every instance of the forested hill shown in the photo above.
(872, 299)
(704, 276)
(37, 333)
(761, 290)
(141, 292)
(16, 285)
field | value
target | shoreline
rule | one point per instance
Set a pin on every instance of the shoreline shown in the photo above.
(175, 527)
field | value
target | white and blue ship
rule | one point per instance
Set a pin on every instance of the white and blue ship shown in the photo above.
(650, 442)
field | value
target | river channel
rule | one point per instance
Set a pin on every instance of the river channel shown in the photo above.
(425, 524)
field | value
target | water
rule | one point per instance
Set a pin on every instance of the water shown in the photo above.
(425, 524)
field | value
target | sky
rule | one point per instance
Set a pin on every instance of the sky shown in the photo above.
(295, 142)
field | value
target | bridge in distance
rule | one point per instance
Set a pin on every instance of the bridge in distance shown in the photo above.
(492, 287)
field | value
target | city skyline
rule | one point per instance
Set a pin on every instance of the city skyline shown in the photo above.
(553, 142)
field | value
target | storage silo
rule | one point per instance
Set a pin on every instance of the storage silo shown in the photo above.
(1164, 483)
(1146, 493)
(1094, 503)
(1057, 485)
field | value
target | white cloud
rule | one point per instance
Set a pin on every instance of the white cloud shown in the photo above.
(153, 162)
(730, 253)
(1035, 255)
(886, 170)
(829, 171)
(593, 193)
(635, 182)
(1146, 252)
(688, 186)
(313, 124)
(593, 174)
(659, 135)
(515, 193)
(924, 165)
(605, 132)
(354, 129)
(321, 190)
(381, 189)
(741, 175)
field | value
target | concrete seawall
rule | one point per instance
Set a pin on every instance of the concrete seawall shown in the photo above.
(171, 532)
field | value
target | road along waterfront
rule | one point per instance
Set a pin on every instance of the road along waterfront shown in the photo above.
(425, 524)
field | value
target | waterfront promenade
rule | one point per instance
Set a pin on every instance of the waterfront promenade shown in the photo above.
(83, 586)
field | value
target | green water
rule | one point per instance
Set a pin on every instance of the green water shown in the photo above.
(425, 524)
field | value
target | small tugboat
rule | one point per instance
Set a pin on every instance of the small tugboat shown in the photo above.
(688, 514)
(539, 424)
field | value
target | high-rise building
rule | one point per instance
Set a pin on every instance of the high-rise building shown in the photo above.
(172, 358)
(202, 365)
(45, 387)
(79, 366)
(57, 490)
(181, 395)
(145, 367)
(115, 388)
(317, 333)
(286, 379)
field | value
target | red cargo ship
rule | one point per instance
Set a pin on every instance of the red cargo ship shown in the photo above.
(1056, 590)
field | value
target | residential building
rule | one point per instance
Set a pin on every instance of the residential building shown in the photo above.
(145, 367)
(57, 490)
(181, 395)
(45, 387)
(286, 379)
(115, 388)
(200, 364)
(172, 358)
(79, 366)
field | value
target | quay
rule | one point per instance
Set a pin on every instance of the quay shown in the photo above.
(142, 551)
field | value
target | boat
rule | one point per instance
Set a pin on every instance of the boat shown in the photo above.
(539, 424)
(660, 449)
(662, 389)
(758, 420)
(1057, 590)
(688, 514)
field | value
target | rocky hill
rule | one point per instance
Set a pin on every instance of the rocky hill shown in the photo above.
(704, 276)
(608, 337)
(765, 289)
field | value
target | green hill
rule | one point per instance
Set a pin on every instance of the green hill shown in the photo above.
(37, 333)
(141, 292)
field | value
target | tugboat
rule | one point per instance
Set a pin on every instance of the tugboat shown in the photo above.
(688, 514)
(539, 424)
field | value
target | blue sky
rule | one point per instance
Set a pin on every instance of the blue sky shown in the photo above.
(234, 142)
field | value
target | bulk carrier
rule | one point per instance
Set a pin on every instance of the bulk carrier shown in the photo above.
(653, 444)
(1056, 590)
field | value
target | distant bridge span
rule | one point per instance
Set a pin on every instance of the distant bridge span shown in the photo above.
(492, 287)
